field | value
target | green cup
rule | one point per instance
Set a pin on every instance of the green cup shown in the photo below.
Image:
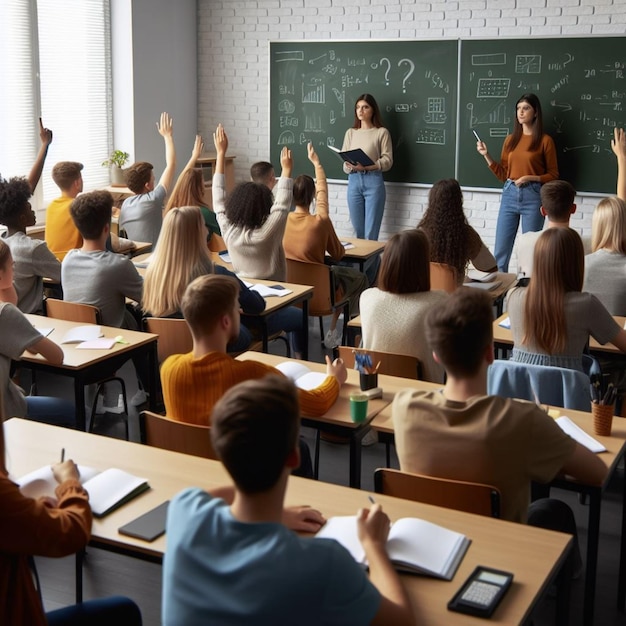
(358, 407)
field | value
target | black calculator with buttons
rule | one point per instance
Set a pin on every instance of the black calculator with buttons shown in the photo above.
(481, 592)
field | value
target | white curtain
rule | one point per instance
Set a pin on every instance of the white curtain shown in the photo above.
(56, 62)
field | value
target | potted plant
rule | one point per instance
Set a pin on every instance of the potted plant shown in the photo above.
(115, 163)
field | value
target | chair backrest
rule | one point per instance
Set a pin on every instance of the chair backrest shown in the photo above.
(555, 386)
(174, 336)
(451, 494)
(390, 363)
(320, 277)
(216, 243)
(442, 277)
(162, 432)
(72, 311)
(218, 260)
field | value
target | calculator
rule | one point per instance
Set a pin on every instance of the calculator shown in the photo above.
(481, 592)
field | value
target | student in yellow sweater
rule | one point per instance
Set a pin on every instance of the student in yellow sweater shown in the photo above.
(194, 382)
(309, 237)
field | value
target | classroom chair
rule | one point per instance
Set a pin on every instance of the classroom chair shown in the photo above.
(174, 336)
(86, 314)
(323, 301)
(162, 432)
(392, 364)
(452, 494)
(543, 384)
(442, 277)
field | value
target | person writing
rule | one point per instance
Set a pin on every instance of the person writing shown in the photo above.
(528, 160)
(366, 187)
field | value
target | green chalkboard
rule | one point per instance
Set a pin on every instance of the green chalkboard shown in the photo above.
(582, 87)
(314, 86)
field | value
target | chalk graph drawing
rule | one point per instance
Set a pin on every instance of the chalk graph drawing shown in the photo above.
(497, 58)
(286, 138)
(436, 113)
(313, 123)
(493, 87)
(289, 55)
(528, 64)
(314, 92)
(499, 115)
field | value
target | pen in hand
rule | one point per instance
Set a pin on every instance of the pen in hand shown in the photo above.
(62, 455)
(371, 499)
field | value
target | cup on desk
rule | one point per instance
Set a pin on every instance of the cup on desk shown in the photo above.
(602, 418)
(358, 407)
(368, 381)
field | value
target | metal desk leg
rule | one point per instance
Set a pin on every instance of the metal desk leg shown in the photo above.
(153, 372)
(621, 580)
(595, 497)
(80, 555)
(305, 329)
(355, 457)
(79, 402)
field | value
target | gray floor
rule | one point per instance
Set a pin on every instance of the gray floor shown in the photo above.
(109, 574)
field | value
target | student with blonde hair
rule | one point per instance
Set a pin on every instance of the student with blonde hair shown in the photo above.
(552, 318)
(180, 256)
(189, 191)
(605, 267)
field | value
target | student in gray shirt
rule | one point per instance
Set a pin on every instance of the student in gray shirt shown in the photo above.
(141, 215)
(92, 274)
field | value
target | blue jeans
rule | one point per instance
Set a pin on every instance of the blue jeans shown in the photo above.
(516, 202)
(51, 410)
(101, 612)
(288, 319)
(366, 203)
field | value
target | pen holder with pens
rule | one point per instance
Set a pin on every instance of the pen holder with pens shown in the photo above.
(602, 405)
(368, 374)
(368, 381)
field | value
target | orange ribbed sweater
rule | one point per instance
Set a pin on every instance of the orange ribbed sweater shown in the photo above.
(191, 386)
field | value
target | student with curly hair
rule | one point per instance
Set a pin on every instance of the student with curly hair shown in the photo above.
(32, 258)
(253, 224)
(452, 240)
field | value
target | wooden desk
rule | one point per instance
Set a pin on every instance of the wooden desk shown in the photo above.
(503, 339)
(534, 557)
(363, 251)
(337, 421)
(508, 281)
(616, 448)
(90, 366)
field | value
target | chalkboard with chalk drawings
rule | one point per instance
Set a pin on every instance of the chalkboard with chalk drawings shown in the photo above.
(314, 86)
(582, 87)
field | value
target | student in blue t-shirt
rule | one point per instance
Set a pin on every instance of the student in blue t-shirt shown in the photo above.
(231, 558)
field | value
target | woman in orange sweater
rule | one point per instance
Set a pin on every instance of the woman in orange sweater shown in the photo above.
(528, 160)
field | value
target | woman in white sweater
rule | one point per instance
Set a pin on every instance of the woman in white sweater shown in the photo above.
(393, 314)
(366, 187)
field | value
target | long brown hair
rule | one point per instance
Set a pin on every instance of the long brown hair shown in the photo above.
(445, 225)
(405, 267)
(514, 138)
(558, 268)
(377, 118)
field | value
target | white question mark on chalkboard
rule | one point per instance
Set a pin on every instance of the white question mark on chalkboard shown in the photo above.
(411, 70)
(569, 60)
(387, 70)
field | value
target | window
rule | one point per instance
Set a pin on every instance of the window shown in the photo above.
(57, 64)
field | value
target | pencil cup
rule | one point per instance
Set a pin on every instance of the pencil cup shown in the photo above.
(358, 407)
(602, 418)
(368, 381)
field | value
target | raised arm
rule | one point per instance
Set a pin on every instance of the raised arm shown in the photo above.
(165, 127)
(196, 151)
(220, 141)
(618, 145)
(45, 135)
(395, 607)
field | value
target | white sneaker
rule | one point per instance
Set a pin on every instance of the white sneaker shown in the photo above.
(370, 438)
(332, 339)
(141, 397)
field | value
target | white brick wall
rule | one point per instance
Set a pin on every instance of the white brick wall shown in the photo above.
(233, 80)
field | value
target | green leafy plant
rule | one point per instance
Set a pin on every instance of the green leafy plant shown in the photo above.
(118, 158)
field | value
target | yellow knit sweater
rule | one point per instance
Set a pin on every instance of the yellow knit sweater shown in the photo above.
(191, 386)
